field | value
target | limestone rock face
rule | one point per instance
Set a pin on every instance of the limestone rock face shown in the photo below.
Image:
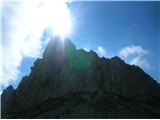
(65, 71)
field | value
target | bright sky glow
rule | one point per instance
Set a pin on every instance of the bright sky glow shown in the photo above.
(23, 23)
(55, 15)
(49, 13)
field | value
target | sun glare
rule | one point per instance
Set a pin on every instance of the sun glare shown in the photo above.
(53, 14)
(58, 16)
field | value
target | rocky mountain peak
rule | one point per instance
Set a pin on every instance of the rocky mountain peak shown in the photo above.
(66, 74)
(57, 47)
(117, 59)
(8, 92)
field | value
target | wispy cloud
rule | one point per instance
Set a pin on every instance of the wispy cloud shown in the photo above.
(137, 53)
(101, 51)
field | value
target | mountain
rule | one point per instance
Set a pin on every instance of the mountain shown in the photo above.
(72, 83)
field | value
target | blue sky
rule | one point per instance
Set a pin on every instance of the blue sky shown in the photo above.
(116, 25)
(129, 30)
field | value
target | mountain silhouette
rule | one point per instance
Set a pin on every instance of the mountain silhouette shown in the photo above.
(72, 83)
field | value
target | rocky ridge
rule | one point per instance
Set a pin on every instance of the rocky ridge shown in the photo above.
(72, 83)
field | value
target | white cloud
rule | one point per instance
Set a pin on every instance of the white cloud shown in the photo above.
(140, 62)
(22, 24)
(137, 54)
(87, 49)
(132, 50)
(101, 51)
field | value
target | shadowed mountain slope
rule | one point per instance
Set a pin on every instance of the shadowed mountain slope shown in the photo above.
(72, 83)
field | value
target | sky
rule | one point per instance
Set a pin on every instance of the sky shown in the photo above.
(129, 30)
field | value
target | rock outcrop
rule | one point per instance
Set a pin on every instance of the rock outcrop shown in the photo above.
(71, 83)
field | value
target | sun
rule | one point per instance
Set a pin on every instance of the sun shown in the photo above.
(53, 14)
(62, 27)
(57, 15)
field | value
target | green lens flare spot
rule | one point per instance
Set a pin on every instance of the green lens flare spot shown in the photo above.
(79, 59)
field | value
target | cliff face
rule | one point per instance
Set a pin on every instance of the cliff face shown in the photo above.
(66, 75)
